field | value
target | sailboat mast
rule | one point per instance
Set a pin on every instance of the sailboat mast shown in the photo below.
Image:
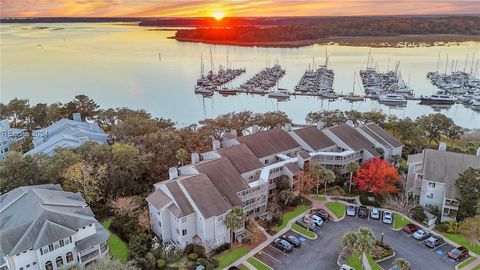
(446, 65)
(201, 65)
(353, 89)
(438, 62)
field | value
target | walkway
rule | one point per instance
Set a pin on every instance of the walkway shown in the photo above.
(472, 265)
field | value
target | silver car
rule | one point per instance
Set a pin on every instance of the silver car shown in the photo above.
(374, 213)
(351, 211)
(387, 217)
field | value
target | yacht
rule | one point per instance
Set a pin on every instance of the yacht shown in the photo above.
(352, 96)
(437, 99)
(280, 93)
(476, 105)
(227, 92)
(203, 90)
(392, 99)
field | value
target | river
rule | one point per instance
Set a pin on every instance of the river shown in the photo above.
(122, 65)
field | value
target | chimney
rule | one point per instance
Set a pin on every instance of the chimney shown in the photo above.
(195, 158)
(234, 133)
(350, 123)
(478, 152)
(288, 127)
(77, 117)
(442, 146)
(173, 173)
(216, 145)
(320, 125)
(255, 129)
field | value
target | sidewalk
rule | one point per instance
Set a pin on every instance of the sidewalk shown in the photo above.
(472, 265)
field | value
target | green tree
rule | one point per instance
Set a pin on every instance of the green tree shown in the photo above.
(287, 196)
(317, 173)
(18, 111)
(352, 167)
(470, 228)
(468, 187)
(402, 264)
(329, 178)
(139, 245)
(85, 178)
(362, 241)
(17, 170)
(82, 104)
(271, 120)
(181, 155)
(328, 118)
(454, 133)
(235, 219)
(53, 167)
(436, 125)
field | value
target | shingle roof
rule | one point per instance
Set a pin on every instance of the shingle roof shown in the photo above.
(304, 154)
(292, 167)
(225, 178)
(381, 135)
(445, 167)
(35, 216)
(269, 142)
(353, 138)
(158, 199)
(314, 138)
(204, 195)
(241, 157)
(180, 198)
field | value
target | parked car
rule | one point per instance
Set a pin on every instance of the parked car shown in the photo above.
(421, 234)
(233, 268)
(387, 217)
(307, 225)
(283, 245)
(316, 219)
(394, 268)
(458, 253)
(411, 228)
(323, 214)
(292, 240)
(374, 213)
(346, 267)
(351, 211)
(434, 241)
(362, 212)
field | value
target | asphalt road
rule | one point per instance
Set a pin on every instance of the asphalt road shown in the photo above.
(323, 252)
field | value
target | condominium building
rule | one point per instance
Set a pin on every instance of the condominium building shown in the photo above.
(191, 206)
(8, 136)
(44, 228)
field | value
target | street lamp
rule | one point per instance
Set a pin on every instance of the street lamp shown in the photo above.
(381, 241)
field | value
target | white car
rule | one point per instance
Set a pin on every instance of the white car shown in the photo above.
(316, 219)
(346, 267)
(387, 217)
(351, 211)
(420, 234)
(374, 213)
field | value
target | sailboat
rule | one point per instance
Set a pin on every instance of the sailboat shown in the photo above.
(352, 96)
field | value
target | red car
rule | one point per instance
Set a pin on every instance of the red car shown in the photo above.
(458, 253)
(411, 228)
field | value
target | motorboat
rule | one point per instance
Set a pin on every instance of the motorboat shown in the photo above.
(279, 94)
(475, 105)
(392, 99)
(437, 99)
(203, 90)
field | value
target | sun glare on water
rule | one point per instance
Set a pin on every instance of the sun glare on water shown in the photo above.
(218, 15)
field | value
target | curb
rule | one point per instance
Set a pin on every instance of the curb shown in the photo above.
(306, 236)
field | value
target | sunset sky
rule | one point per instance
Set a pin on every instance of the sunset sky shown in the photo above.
(201, 8)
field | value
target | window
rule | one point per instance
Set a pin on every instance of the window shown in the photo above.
(431, 184)
(49, 265)
(50, 247)
(28, 265)
(69, 257)
(430, 195)
(184, 219)
(62, 243)
(34, 263)
(266, 161)
(178, 232)
(59, 261)
(184, 232)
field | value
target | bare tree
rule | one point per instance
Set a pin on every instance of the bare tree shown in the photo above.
(400, 201)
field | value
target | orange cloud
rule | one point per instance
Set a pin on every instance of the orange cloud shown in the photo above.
(246, 8)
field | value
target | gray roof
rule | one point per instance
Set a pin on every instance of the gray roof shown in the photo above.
(100, 236)
(35, 216)
(354, 139)
(205, 196)
(181, 199)
(381, 136)
(314, 138)
(293, 167)
(269, 142)
(159, 199)
(445, 167)
(241, 157)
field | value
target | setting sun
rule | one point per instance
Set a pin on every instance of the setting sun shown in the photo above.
(218, 15)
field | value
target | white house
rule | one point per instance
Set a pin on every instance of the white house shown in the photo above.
(244, 171)
(8, 136)
(66, 133)
(432, 175)
(382, 139)
(43, 228)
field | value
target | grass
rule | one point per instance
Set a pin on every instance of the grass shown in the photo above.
(231, 256)
(286, 217)
(466, 262)
(477, 267)
(355, 262)
(304, 231)
(373, 264)
(399, 221)
(117, 247)
(258, 264)
(338, 209)
(461, 240)
(319, 197)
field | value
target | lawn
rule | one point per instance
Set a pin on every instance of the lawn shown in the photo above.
(399, 221)
(461, 240)
(304, 231)
(354, 262)
(319, 197)
(231, 256)
(337, 208)
(286, 217)
(373, 264)
(466, 262)
(258, 264)
(117, 247)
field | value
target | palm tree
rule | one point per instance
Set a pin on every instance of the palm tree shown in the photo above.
(287, 196)
(402, 264)
(349, 239)
(181, 155)
(361, 241)
(352, 167)
(317, 172)
(235, 219)
(329, 178)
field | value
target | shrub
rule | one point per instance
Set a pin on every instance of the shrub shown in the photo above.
(202, 261)
(214, 262)
(221, 248)
(441, 227)
(125, 226)
(188, 249)
(418, 214)
(300, 200)
(161, 263)
(199, 250)
(192, 256)
(453, 227)
(248, 239)
(209, 267)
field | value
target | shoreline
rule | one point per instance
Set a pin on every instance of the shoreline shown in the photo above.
(402, 41)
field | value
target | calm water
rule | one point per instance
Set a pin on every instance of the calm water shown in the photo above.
(118, 65)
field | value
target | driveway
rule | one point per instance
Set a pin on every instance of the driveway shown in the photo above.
(323, 252)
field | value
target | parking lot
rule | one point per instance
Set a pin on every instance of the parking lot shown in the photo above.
(323, 252)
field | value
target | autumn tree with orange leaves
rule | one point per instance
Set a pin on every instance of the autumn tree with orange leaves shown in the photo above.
(377, 176)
